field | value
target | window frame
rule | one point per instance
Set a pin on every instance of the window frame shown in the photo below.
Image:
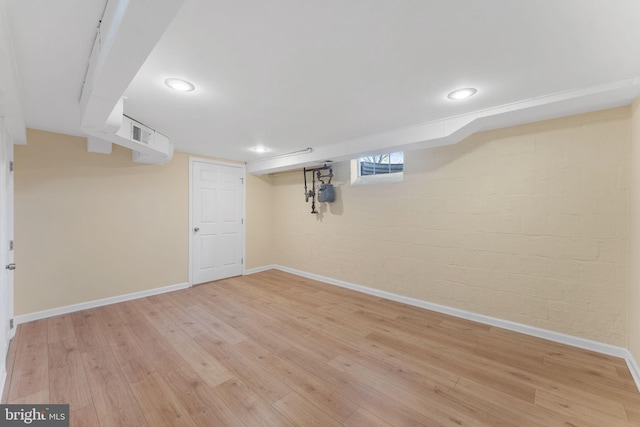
(383, 178)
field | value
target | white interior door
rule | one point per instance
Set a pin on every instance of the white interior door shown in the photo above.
(6, 249)
(217, 224)
(8, 288)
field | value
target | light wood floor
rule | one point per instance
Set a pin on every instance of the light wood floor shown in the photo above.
(273, 349)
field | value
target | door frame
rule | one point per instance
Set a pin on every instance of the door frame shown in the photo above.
(243, 196)
(6, 234)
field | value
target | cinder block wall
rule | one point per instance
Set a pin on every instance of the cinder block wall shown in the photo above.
(528, 224)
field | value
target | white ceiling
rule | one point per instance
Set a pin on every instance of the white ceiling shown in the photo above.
(330, 74)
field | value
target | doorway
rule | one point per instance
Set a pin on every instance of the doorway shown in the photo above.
(216, 220)
(6, 244)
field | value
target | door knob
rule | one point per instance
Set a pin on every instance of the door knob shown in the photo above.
(196, 229)
(11, 266)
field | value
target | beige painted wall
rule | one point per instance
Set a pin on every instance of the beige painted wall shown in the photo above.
(259, 224)
(634, 237)
(91, 226)
(527, 224)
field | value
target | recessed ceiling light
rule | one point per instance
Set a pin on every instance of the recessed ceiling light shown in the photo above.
(180, 85)
(260, 149)
(464, 93)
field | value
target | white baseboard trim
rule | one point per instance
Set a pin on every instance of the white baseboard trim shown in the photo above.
(23, 318)
(3, 379)
(260, 269)
(633, 368)
(558, 337)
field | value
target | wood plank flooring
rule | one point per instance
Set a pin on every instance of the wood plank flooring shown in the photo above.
(274, 349)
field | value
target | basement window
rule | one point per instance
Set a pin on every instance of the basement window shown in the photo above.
(380, 168)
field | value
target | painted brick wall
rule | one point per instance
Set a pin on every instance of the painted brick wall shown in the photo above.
(528, 224)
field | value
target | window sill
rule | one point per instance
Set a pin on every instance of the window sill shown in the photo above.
(378, 179)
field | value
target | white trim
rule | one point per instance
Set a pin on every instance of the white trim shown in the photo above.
(192, 160)
(23, 318)
(387, 178)
(3, 379)
(261, 269)
(633, 368)
(244, 219)
(558, 337)
(6, 235)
